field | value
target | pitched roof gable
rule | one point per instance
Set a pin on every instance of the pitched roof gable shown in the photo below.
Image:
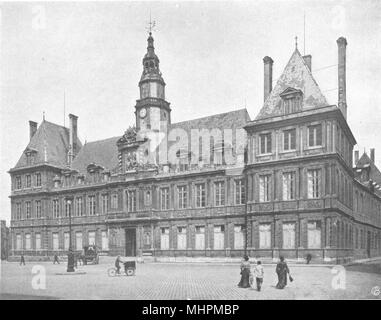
(374, 173)
(296, 75)
(51, 144)
(101, 152)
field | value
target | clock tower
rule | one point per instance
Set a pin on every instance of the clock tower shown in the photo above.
(152, 111)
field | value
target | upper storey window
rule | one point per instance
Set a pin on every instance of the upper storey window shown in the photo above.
(291, 100)
(315, 135)
(289, 140)
(265, 143)
(18, 182)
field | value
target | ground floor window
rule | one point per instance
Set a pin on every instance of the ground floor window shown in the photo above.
(78, 240)
(265, 236)
(38, 241)
(219, 237)
(27, 242)
(181, 238)
(66, 240)
(314, 234)
(55, 241)
(91, 238)
(104, 240)
(289, 235)
(238, 237)
(164, 239)
(18, 242)
(200, 237)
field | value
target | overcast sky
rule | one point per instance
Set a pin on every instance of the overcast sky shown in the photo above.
(210, 56)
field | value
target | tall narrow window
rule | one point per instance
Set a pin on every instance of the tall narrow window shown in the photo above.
(38, 209)
(18, 242)
(79, 207)
(200, 195)
(181, 238)
(164, 198)
(289, 140)
(38, 179)
(27, 242)
(28, 180)
(92, 205)
(28, 210)
(56, 208)
(314, 184)
(182, 197)
(264, 188)
(131, 200)
(219, 193)
(91, 239)
(315, 135)
(200, 238)
(240, 191)
(104, 203)
(55, 241)
(114, 201)
(164, 239)
(66, 241)
(289, 186)
(265, 236)
(78, 240)
(238, 237)
(18, 211)
(18, 182)
(314, 234)
(219, 237)
(265, 143)
(38, 241)
(288, 235)
(104, 240)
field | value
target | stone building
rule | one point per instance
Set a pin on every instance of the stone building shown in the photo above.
(5, 245)
(217, 186)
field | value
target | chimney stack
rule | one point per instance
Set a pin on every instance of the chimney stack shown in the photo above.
(308, 61)
(342, 96)
(372, 154)
(268, 76)
(73, 135)
(356, 156)
(32, 129)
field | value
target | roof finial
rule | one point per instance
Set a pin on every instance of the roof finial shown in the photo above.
(296, 42)
(151, 24)
(43, 115)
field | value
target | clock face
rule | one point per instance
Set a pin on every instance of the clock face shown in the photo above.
(143, 112)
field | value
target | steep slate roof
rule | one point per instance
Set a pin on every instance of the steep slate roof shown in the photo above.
(227, 120)
(51, 141)
(296, 75)
(101, 152)
(374, 173)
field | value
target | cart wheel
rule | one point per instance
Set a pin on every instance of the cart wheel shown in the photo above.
(111, 272)
(130, 272)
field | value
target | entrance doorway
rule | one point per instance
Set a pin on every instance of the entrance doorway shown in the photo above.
(130, 242)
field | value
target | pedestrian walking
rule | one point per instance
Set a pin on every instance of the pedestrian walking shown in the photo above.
(245, 273)
(282, 271)
(308, 258)
(22, 260)
(258, 272)
(56, 259)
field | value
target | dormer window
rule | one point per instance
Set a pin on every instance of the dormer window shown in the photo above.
(291, 100)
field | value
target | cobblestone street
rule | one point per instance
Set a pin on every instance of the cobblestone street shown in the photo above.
(181, 281)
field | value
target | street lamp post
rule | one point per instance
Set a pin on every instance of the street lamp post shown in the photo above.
(70, 256)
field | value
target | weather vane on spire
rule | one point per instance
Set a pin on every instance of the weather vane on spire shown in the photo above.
(296, 42)
(151, 24)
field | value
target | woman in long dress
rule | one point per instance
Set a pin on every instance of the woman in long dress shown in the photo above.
(245, 273)
(282, 272)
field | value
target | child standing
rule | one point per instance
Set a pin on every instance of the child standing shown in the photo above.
(258, 273)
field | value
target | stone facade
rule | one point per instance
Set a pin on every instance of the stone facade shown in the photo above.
(290, 190)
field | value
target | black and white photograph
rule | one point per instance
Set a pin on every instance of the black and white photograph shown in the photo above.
(212, 151)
